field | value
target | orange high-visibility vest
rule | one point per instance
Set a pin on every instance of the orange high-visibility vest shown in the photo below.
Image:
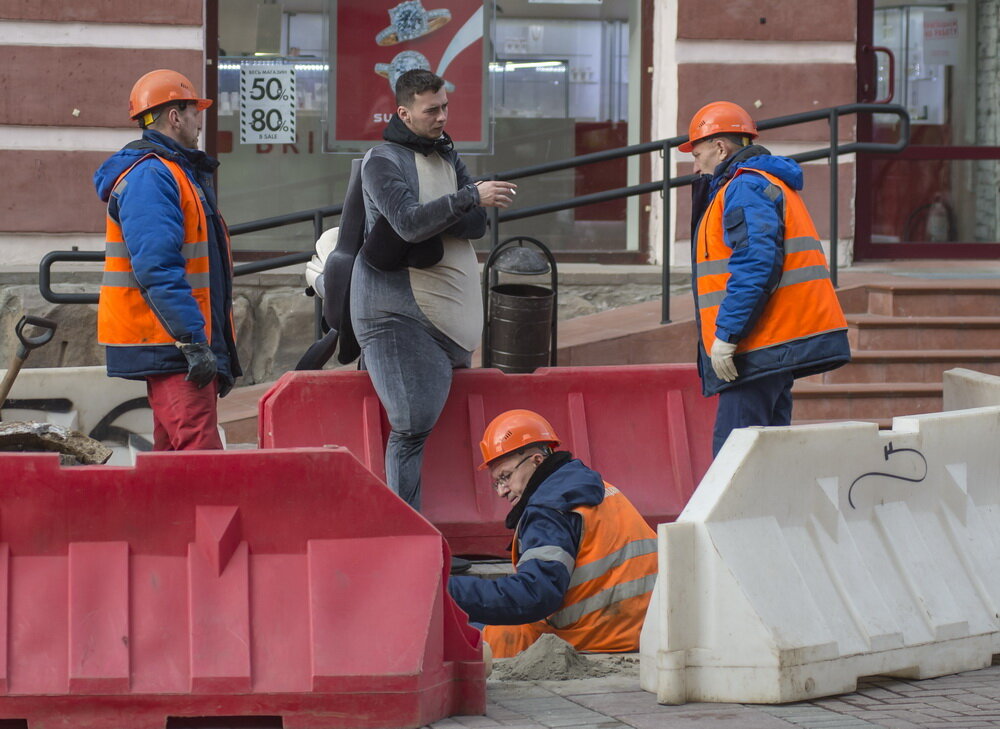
(804, 302)
(612, 580)
(124, 318)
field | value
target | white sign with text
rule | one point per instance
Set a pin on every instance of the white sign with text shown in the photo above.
(944, 38)
(267, 104)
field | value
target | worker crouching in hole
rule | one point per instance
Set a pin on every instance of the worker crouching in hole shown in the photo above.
(584, 558)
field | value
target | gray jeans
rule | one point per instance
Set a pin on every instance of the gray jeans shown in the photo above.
(410, 363)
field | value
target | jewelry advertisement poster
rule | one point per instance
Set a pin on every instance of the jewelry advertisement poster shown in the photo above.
(373, 42)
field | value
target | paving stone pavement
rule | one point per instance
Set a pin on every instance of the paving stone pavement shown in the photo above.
(968, 700)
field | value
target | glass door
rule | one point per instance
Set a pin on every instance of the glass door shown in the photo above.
(939, 197)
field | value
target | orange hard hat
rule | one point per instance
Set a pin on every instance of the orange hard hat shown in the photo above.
(161, 87)
(515, 429)
(719, 117)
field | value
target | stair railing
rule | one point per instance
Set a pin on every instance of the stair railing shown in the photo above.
(663, 147)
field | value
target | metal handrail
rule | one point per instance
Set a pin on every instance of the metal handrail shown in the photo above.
(664, 146)
(835, 149)
(243, 269)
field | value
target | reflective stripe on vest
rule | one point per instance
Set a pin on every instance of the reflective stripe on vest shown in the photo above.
(616, 558)
(615, 566)
(124, 316)
(603, 600)
(549, 553)
(802, 304)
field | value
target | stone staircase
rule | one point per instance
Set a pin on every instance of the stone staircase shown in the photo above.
(904, 335)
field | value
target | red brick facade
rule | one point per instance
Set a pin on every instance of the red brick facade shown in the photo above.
(75, 91)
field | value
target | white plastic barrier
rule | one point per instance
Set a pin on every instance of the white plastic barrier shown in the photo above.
(969, 389)
(85, 399)
(810, 556)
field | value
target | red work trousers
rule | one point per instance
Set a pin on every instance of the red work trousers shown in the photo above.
(184, 417)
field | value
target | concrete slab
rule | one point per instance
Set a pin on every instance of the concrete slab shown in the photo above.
(968, 700)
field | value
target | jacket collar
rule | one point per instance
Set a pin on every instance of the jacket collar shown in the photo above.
(164, 146)
(545, 469)
(726, 169)
(397, 131)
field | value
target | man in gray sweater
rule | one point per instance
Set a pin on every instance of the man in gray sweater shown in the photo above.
(416, 305)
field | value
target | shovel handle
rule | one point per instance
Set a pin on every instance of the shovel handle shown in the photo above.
(8, 380)
(29, 343)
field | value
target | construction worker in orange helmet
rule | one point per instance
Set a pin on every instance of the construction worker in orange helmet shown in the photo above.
(719, 117)
(165, 307)
(765, 307)
(158, 88)
(576, 537)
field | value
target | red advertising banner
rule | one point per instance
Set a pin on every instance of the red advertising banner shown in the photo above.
(377, 40)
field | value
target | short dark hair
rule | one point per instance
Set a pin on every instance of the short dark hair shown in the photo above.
(740, 140)
(149, 118)
(544, 448)
(416, 81)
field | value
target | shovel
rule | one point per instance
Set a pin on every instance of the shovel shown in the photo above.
(27, 344)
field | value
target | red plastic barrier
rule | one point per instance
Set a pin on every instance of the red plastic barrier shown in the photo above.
(287, 584)
(646, 428)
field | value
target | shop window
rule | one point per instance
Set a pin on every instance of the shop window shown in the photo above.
(560, 87)
(937, 198)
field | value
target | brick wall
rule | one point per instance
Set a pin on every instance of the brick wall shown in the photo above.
(774, 59)
(66, 69)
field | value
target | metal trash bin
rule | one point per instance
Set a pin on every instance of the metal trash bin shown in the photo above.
(520, 322)
(519, 332)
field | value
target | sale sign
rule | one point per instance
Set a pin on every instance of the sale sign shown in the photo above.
(267, 104)
(375, 41)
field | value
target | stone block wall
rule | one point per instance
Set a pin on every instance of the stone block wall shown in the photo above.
(274, 319)
(987, 172)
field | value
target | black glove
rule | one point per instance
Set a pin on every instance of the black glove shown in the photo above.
(225, 387)
(201, 363)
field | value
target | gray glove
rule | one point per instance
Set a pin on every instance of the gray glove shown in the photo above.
(722, 360)
(202, 367)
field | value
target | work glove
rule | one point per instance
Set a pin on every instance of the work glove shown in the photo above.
(201, 363)
(722, 360)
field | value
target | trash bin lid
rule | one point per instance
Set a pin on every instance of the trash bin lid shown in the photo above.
(521, 260)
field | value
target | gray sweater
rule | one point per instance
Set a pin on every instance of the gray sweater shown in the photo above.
(423, 196)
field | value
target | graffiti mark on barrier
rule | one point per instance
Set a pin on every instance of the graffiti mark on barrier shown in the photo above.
(42, 404)
(888, 451)
(105, 430)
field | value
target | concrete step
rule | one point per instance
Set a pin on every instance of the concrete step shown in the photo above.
(934, 298)
(238, 413)
(864, 401)
(876, 332)
(910, 365)
(882, 423)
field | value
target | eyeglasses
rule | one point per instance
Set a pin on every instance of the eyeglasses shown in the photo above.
(503, 478)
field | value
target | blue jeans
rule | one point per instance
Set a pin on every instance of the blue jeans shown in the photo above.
(764, 401)
(410, 363)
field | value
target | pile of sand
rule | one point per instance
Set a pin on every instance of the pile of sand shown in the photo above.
(549, 659)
